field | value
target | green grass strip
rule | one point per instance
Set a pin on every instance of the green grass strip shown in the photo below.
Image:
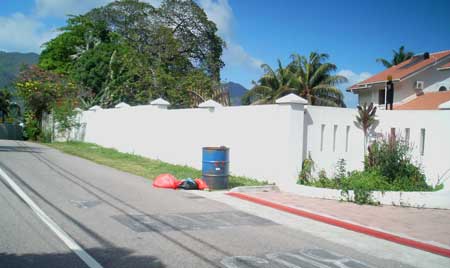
(138, 165)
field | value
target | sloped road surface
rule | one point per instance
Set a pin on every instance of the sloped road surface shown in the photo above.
(118, 220)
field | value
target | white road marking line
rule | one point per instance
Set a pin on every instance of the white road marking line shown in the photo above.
(70, 243)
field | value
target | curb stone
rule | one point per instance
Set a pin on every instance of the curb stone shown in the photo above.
(254, 189)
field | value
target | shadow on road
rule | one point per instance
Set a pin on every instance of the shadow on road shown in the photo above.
(121, 258)
(20, 149)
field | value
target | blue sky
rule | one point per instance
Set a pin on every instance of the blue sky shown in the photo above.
(354, 33)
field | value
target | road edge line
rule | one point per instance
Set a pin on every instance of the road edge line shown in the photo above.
(346, 225)
(67, 240)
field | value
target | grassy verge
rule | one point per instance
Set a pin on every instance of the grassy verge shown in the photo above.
(138, 165)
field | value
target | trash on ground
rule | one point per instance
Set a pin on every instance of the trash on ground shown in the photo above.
(166, 181)
(188, 184)
(201, 184)
(169, 181)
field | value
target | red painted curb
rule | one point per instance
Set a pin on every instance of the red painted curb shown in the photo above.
(349, 226)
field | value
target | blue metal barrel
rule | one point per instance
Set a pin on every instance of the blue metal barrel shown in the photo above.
(215, 168)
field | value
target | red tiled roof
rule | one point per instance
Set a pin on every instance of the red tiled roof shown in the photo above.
(428, 101)
(403, 69)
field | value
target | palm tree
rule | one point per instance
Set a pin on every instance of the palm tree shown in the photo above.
(315, 81)
(399, 56)
(271, 86)
(365, 120)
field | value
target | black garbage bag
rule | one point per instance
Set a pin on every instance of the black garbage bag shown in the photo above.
(188, 184)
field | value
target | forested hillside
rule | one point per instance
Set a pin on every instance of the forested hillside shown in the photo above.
(10, 64)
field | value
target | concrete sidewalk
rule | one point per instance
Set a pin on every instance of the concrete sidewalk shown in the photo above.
(426, 225)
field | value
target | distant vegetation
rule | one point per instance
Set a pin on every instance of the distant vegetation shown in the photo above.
(310, 77)
(236, 91)
(10, 65)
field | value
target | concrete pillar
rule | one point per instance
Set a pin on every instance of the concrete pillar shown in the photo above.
(295, 107)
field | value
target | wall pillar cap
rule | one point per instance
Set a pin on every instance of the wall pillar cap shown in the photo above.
(78, 110)
(210, 104)
(95, 108)
(444, 106)
(122, 105)
(291, 99)
(160, 103)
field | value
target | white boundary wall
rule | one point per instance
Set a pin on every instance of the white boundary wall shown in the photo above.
(266, 142)
(434, 125)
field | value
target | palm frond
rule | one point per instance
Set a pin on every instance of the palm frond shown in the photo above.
(385, 62)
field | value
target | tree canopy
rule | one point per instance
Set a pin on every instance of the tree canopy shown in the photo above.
(309, 77)
(131, 51)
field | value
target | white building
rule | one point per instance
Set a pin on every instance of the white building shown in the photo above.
(420, 83)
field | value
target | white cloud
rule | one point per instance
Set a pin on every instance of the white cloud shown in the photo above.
(352, 99)
(235, 55)
(353, 77)
(61, 8)
(220, 12)
(26, 33)
(23, 33)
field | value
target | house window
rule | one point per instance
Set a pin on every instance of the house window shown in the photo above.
(381, 96)
(442, 88)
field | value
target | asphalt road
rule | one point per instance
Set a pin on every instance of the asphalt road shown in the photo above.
(121, 221)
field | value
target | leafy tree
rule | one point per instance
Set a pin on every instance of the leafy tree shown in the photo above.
(273, 84)
(64, 116)
(365, 119)
(5, 103)
(399, 56)
(310, 77)
(40, 90)
(131, 51)
(199, 41)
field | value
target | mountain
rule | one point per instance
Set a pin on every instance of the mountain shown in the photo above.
(236, 92)
(10, 64)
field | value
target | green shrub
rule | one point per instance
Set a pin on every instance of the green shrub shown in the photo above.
(391, 158)
(323, 181)
(363, 183)
(31, 128)
(387, 167)
(341, 171)
(305, 175)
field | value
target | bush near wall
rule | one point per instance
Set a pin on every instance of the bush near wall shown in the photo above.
(387, 167)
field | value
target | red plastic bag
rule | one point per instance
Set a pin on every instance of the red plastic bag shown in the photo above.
(201, 184)
(166, 181)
